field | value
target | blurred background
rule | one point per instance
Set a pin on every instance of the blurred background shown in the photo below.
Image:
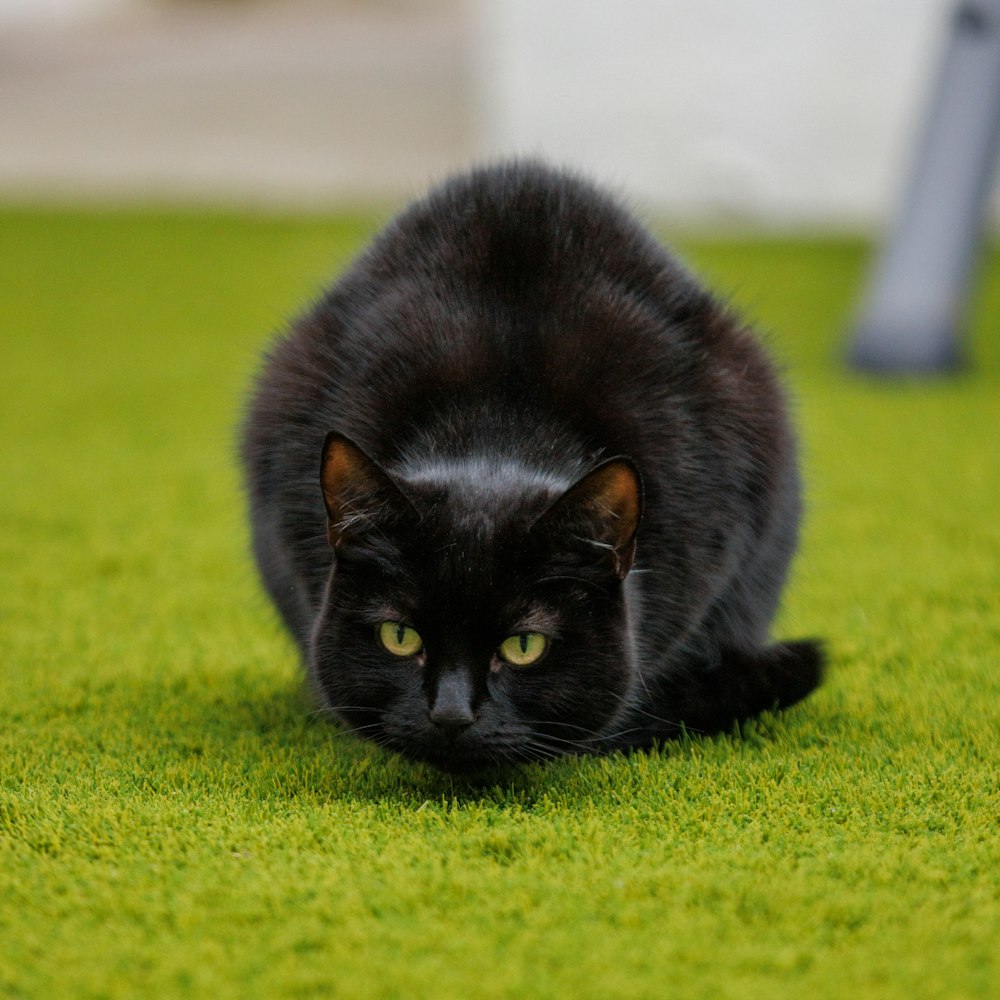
(177, 180)
(769, 114)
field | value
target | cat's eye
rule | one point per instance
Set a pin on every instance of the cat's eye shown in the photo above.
(400, 639)
(523, 649)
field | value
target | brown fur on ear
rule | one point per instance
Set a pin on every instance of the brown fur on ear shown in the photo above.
(604, 507)
(356, 491)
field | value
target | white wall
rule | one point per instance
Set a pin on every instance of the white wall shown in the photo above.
(758, 111)
(28, 11)
(761, 113)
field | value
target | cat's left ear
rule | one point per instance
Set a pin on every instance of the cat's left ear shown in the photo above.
(356, 492)
(603, 508)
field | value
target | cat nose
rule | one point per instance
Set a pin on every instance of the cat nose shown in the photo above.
(451, 709)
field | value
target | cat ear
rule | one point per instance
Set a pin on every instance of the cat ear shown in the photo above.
(356, 491)
(603, 509)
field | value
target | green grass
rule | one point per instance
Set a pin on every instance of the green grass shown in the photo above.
(175, 823)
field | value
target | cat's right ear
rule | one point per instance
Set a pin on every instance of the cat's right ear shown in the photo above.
(356, 492)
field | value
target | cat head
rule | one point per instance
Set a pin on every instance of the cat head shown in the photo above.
(474, 611)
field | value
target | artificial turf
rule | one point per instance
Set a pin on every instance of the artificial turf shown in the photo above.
(174, 822)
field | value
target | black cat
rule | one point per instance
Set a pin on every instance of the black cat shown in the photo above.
(519, 486)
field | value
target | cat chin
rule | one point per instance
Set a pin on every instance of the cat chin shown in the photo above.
(485, 747)
(465, 764)
(466, 753)
(470, 758)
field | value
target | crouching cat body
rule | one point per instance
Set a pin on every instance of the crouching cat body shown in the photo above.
(519, 486)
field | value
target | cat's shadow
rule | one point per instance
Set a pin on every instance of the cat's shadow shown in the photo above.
(287, 750)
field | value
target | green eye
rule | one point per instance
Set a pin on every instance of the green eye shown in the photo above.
(400, 639)
(523, 649)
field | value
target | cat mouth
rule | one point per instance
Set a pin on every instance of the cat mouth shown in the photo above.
(468, 754)
(469, 750)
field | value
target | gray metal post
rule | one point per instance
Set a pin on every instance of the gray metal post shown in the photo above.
(913, 314)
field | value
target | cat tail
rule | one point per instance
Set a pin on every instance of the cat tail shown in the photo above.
(743, 683)
(709, 697)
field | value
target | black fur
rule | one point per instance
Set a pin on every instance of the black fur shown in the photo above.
(501, 339)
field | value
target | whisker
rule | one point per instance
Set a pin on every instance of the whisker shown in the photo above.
(575, 579)
(638, 709)
(357, 730)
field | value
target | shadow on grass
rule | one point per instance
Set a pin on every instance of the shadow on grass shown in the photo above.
(267, 737)
(261, 737)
